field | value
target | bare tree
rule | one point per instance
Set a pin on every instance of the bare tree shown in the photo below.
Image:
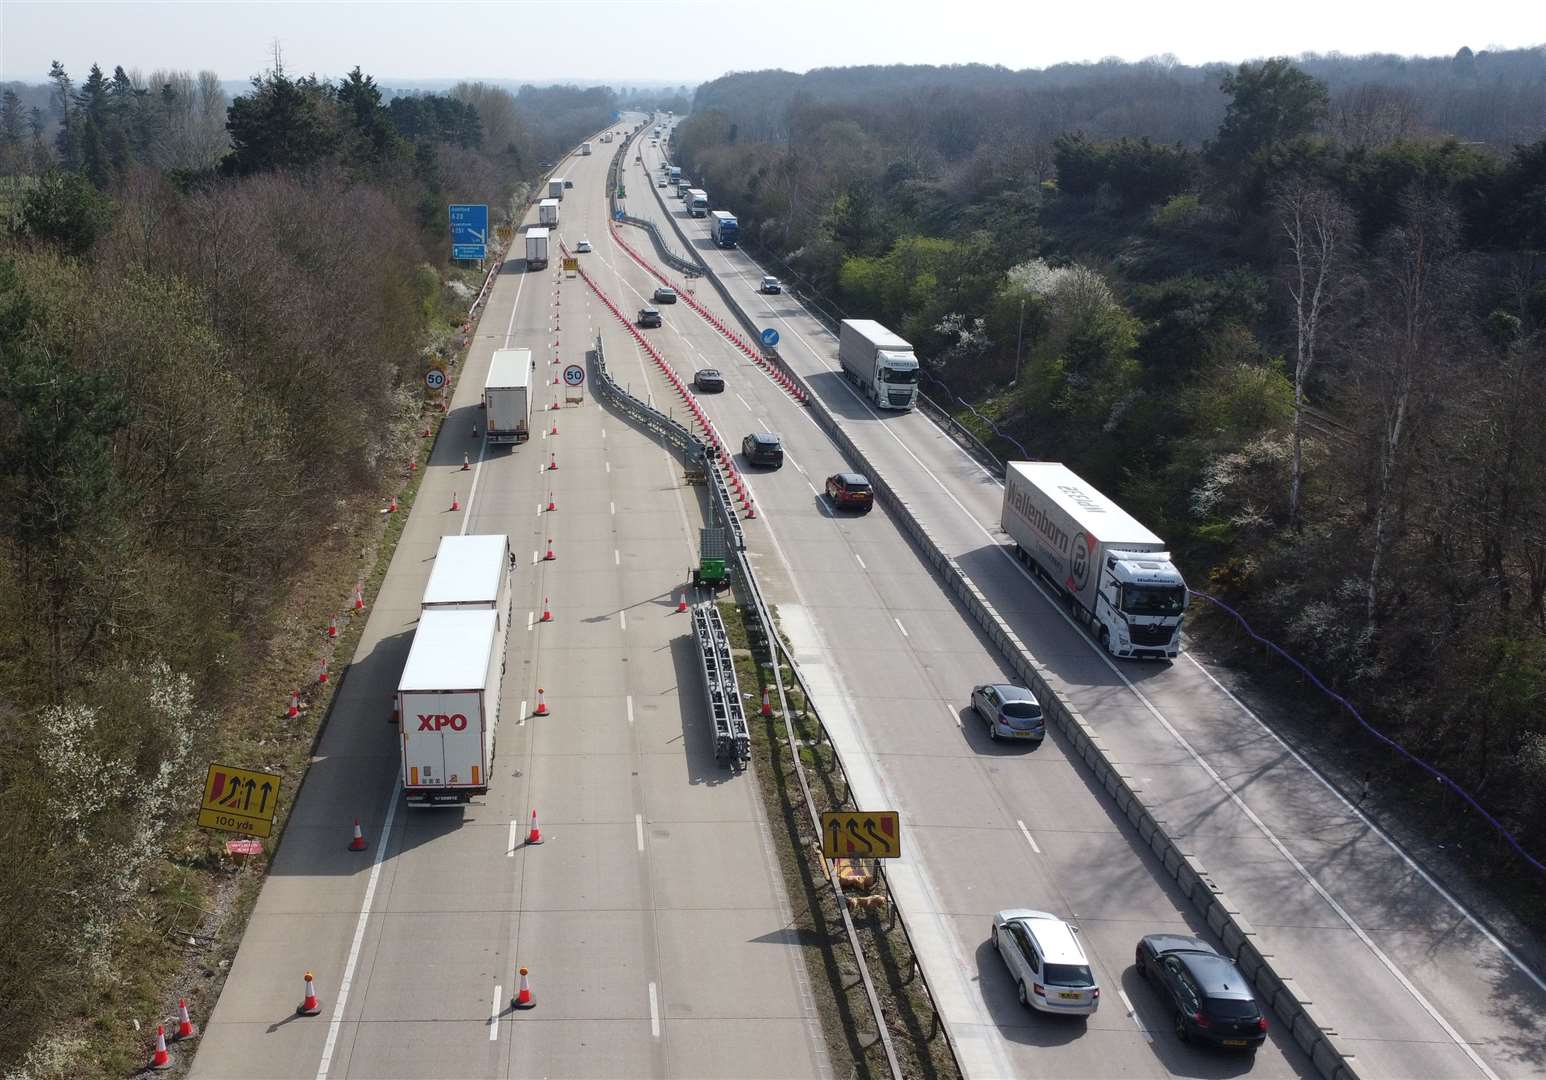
(1403, 357)
(1317, 227)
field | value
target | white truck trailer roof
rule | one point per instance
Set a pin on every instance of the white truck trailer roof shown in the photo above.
(450, 650)
(878, 336)
(509, 368)
(468, 570)
(547, 202)
(1097, 515)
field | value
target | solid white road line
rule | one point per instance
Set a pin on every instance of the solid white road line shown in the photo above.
(515, 832)
(900, 627)
(1027, 834)
(954, 715)
(1132, 1012)
(359, 936)
(654, 1012)
(860, 561)
(499, 997)
(638, 828)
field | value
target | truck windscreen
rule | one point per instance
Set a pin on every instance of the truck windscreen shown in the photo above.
(1153, 599)
(893, 375)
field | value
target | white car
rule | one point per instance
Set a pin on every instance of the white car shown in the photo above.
(1046, 961)
(582, 247)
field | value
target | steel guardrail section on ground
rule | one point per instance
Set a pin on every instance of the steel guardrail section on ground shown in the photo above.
(655, 421)
(732, 740)
(1319, 1040)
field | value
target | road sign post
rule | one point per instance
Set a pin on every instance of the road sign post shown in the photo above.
(239, 800)
(861, 834)
(574, 384)
(469, 231)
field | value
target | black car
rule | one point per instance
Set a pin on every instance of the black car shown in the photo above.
(763, 448)
(1208, 998)
(648, 317)
(665, 295)
(568, 183)
(708, 380)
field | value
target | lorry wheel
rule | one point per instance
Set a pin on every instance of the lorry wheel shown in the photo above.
(1105, 638)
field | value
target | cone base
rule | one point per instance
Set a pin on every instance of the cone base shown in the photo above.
(357, 845)
(529, 1003)
(302, 1010)
(193, 1033)
(160, 1066)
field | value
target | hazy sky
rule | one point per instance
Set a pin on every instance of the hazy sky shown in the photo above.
(688, 41)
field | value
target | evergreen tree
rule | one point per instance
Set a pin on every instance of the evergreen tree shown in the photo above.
(283, 124)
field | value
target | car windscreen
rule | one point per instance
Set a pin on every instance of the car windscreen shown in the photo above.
(1068, 975)
(1232, 1008)
(1021, 710)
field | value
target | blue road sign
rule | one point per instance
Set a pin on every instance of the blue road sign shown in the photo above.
(770, 337)
(616, 116)
(469, 231)
(618, 214)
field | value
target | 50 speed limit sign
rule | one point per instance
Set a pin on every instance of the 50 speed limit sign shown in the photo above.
(435, 378)
(574, 375)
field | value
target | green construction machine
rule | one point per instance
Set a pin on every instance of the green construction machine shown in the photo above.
(713, 569)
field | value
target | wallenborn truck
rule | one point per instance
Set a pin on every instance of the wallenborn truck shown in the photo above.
(536, 248)
(723, 227)
(556, 188)
(1115, 573)
(881, 363)
(547, 213)
(507, 396)
(448, 703)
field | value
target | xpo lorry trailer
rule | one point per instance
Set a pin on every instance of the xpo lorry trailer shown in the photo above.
(536, 248)
(507, 396)
(1115, 573)
(882, 364)
(448, 702)
(472, 573)
(723, 227)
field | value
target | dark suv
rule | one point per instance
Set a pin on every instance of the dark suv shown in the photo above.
(708, 380)
(1209, 999)
(763, 448)
(648, 317)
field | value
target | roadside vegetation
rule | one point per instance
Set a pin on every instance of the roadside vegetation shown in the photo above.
(1291, 314)
(215, 317)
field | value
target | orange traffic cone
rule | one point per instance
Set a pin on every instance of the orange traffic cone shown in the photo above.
(295, 705)
(309, 1005)
(524, 998)
(552, 463)
(412, 465)
(547, 615)
(359, 596)
(392, 509)
(358, 843)
(549, 557)
(475, 431)
(425, 433)
(767, 706)
(551, 504)
(555, 427)
(185, 1028)
(542, 706)
(322, 674)
(466, 464)
(535, 835)
(332, 626)
(161, 1060)
(751, 510)
(681, 602)
(555, 380)
(454, 504)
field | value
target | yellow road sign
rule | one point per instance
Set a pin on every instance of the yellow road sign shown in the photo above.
(504, 232)
(861, 834)
(571, 264)
(239, 800)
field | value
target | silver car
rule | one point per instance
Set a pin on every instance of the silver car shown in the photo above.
(1046, 961)
(1010, 712)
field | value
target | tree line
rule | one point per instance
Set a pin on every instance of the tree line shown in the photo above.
(1292, 314)
(215, 315)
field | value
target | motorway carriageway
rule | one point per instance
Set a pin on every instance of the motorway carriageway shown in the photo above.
(653, 917)
(1416, 986)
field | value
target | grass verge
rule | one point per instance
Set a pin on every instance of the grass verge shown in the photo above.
(852, 1041)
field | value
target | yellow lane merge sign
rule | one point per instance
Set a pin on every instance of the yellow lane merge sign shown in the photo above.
(861, 834)
(571, 264)
(239, 800)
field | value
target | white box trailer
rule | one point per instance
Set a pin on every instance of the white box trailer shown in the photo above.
(507, 396)
(556, 188)
(547, 213)
(585, 149)
(448, 702)
(472, 573)
(536, 248)
(1115, 573)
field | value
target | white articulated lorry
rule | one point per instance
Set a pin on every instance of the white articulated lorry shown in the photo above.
(507, 396)
(536, 248)
(448, 696)
(556, 188)
(1115, 573)
(547, 213)
(882, 364)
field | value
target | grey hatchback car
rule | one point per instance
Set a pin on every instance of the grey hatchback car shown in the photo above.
(1010, 712)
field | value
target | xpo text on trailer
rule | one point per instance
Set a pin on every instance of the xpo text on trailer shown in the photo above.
(448, 705)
